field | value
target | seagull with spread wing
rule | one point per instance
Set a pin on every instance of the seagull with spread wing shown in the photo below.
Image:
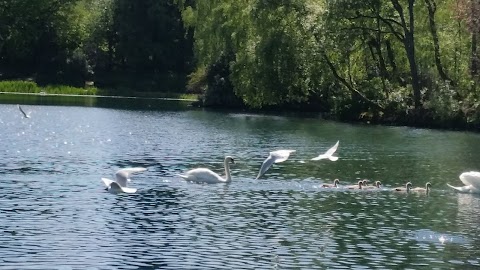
(25, 115)
(274, 157)
(329, 154)
(122, 177)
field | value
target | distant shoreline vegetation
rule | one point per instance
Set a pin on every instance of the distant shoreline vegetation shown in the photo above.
(30, 87)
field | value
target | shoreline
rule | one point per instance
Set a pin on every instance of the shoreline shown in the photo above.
(98, 96)
(407, 122)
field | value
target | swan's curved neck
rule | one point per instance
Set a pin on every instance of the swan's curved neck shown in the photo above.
(227, 171)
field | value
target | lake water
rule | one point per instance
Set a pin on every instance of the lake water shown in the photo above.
(55, 213)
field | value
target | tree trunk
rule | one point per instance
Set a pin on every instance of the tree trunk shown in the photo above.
(475, 29)
(474, 56)
(409, 44)
(378, 47)
(391, 57)
(432, 8)
(410, 50)
(350, 87)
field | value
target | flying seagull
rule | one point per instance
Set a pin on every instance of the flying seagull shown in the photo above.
(25, 115)
(329, 153)
(122, 177)
(274, 157)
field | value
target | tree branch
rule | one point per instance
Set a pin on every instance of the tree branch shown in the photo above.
(349, 86)
(396, 34)
(388, 22)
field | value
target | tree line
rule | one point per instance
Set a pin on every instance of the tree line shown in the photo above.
(400, 61)
(119, 44)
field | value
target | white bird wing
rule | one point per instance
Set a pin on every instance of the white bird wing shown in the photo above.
(128, 190)
(23, 112)
(329, 153)
(115, 188)
(122, 176)
(464, 189)
(274, 157)
(202, 175)
(280, 155)
(471, 179)
(107, 182)
(332, 150)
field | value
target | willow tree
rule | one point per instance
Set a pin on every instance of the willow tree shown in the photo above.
(274, 55)
(280, 64)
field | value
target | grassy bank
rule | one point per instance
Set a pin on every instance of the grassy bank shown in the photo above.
(31, 87)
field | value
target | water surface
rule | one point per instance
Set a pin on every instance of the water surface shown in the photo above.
(56, 214)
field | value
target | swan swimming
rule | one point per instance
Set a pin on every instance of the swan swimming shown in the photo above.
(334, 185)
(359, 185)
(407, 188)
(471, 180)
(377, 185)
(427, 188)
(122, 177)
(204, 175)
(25, 115)
(329, 153)
(274, 157)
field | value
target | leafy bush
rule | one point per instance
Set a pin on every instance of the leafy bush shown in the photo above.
(69, 90)
(19, 87)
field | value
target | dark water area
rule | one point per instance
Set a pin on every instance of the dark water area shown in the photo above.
(96, 101)
(56, 214)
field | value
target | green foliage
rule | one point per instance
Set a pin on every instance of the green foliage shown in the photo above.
(371, 60)
(141, 45)
(69, 90)
(405, 60)
(220, 91)
(197, 81)
(138, 45)
(32, 87)
(19, 87)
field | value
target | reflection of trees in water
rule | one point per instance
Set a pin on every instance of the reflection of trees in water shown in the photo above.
(142, 104)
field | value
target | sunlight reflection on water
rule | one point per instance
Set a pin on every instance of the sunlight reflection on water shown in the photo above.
(54, 210)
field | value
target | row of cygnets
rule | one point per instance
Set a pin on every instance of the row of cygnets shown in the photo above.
(363, 185)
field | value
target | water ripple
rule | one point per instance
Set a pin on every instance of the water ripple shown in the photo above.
(55, 212)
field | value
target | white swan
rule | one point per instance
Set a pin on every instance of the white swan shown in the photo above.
(204, 175)
(329, 153)
(122, 177)
(274, 157)
(25, 115)
(471, 181)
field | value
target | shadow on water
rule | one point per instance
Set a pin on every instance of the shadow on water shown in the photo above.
(92, 101)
